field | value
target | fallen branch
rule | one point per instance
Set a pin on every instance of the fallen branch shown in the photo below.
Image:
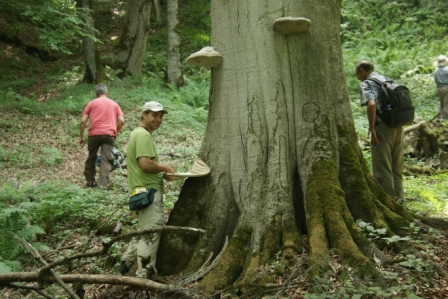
(101, 279)
(107, 245)
(414, 127)
(39, 258)
(118, 227)
(108, 279)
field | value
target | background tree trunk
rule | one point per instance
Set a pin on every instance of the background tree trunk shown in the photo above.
(158, 10)
(132, 46)
(94, 69)
(283, 150)
(174, 69)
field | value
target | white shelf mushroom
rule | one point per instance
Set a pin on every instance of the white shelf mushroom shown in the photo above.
(206, 57)
(292, 25)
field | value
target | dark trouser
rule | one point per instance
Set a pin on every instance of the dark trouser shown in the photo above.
(106, 143)
(388, 159)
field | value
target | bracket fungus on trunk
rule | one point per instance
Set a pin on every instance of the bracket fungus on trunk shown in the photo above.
(206, 57)
(291, 25)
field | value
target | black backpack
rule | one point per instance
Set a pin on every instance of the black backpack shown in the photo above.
(396, 104)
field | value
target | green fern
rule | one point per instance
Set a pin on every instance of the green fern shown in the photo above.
(13, 222)
(9, 266)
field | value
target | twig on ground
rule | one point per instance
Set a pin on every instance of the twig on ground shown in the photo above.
(414, 127)
(94, 232)
(141, 283)
(107, 245)
(35, 289)
(109, 279)
(288, 283)
(118, 227)
(432, 119)
(39, 258)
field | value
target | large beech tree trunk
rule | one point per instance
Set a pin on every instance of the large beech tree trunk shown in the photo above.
(283, 150)
(132, 46)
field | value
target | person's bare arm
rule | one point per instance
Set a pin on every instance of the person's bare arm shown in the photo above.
(371, 115)
(151, 166)
(120, 123)
(82, 127)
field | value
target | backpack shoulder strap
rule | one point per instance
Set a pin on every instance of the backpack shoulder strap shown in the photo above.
(375, 80)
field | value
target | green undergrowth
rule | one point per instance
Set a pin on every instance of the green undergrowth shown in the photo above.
(427, 195)
(55, 210)
(403, 40)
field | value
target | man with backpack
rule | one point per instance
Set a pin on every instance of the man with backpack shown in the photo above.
(386, 141)
(441, 80)
(106, 120)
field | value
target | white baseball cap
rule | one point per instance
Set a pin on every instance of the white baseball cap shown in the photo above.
(153, 106)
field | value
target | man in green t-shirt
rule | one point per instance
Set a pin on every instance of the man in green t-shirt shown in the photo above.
(145, 170)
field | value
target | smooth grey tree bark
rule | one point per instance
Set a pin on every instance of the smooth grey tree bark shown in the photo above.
(283, 153)
(158, 10)
(174, 69)
(132, 45)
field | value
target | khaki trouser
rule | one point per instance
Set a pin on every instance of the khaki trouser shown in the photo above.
(443, 96)
(144, 248)
(388, 159)
(106, 143)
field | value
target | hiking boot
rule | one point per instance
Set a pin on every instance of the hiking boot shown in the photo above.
(124, 269)
(91, 184)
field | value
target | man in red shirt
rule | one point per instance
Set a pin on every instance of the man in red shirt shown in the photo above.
(106, 120)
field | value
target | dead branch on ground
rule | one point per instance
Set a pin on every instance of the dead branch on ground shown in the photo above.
(39, 258)
(414, 127)
(8, 278)
(141, 283)
(107, 245)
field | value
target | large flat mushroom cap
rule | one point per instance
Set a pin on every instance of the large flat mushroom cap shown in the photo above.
(206, 57)
(291, 25)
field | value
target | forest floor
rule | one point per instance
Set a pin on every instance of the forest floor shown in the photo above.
(25, 131)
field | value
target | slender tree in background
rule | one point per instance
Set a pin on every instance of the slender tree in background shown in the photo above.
(132, 45)
(94, 69)
(283, 150)
(158, 10)
(174, 68)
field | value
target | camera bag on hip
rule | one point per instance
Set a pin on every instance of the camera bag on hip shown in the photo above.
(142, 200)
(396, 104)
